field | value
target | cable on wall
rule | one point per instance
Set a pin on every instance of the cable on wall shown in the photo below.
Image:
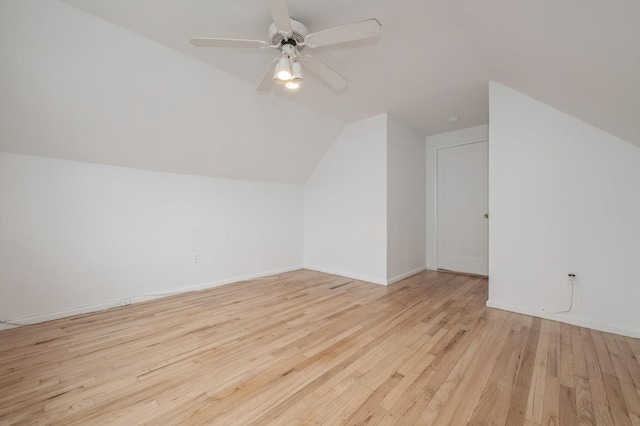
(572, 282)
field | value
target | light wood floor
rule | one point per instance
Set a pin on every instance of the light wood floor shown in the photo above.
(312, 348)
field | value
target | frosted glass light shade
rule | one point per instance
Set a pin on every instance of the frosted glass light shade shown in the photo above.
(284, 69)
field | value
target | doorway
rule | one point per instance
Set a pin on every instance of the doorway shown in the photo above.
(462, 225)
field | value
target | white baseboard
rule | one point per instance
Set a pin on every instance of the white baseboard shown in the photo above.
(346, 274)
(218, 283)
(49, 316)
(405, 275)
(569, 319)
(364, 277)
(7, 326)
(78, 310)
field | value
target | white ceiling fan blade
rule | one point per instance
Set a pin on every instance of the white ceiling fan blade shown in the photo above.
(267, 80)
(228, 42)
(323, 72)
(280, 15)
(358, 31)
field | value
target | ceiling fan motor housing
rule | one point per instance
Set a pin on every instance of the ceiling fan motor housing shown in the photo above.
(298, 35)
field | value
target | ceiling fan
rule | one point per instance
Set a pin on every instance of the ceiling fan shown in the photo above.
(291, 37)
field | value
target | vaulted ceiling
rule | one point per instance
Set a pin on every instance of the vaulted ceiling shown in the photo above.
(424, 68)
(432, 61)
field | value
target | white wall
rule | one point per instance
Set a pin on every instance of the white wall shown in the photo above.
(345, 205)
(458, 137)
(75, 234)
(406, 200)
(565, 197)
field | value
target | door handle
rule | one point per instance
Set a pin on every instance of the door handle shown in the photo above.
(486, 215)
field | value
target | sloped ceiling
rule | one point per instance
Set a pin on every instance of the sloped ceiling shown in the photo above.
(579, 56)
(76, 87)
(133, 102)
(424, 68)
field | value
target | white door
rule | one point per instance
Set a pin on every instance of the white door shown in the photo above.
(462, 214)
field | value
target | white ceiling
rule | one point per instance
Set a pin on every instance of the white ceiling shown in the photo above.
(424, 68)
(432, 61)
(434, 57)
(579, 56)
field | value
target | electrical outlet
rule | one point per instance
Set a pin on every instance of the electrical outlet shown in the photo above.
(196, 258)
(572, 278)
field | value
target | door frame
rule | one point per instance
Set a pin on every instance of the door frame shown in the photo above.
(432, 191)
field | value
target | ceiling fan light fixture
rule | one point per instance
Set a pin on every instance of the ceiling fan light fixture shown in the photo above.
(276, 79)
(291, 37)
(296, 76)
(292, 84)
(296, 71)
(284, 69)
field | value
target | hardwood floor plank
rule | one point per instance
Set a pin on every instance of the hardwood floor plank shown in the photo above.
(567, 373)
(410, 406)
(602, 351)
(493, 405)
(460, 406)
(551, 409)
(312, 348)
(568, 408)
(631, 397)
(584, 404)
(579, 358)
(535, 403)
(603, 415)
(596, 382)
(630, 360)
(617, 404)
(370, 412)
(520, 394)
